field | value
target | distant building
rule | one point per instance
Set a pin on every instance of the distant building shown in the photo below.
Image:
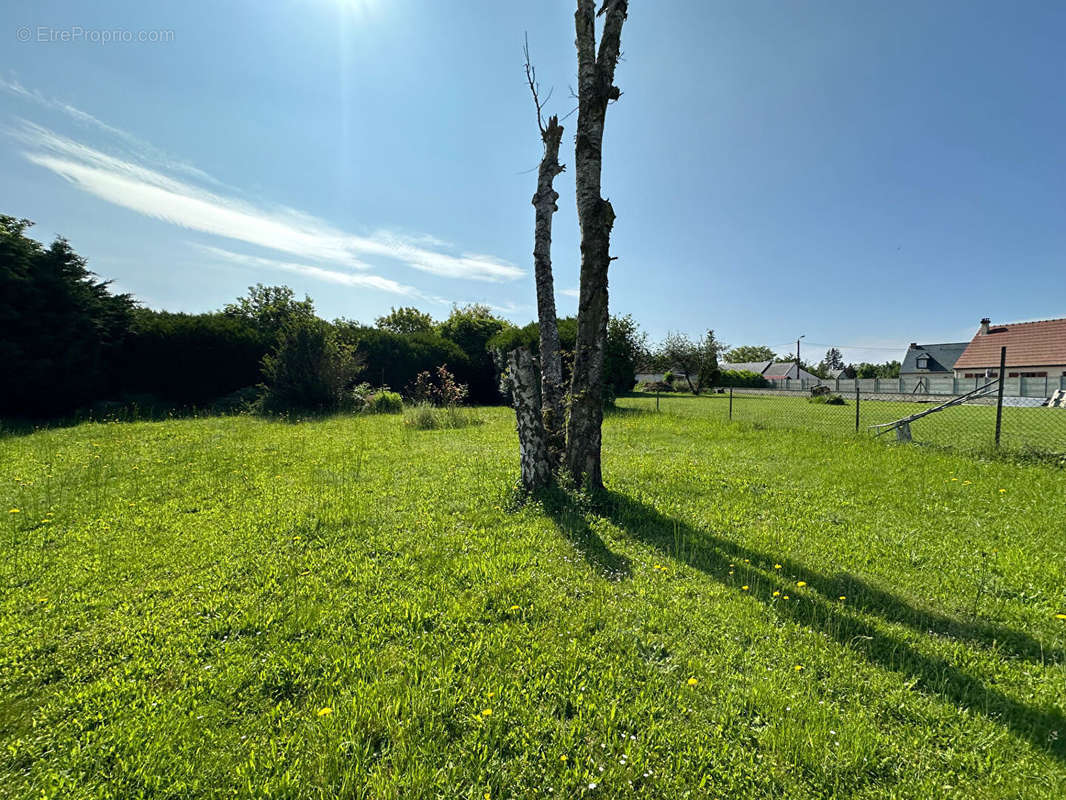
(1034, 350)
(934, 360)
(771, 370)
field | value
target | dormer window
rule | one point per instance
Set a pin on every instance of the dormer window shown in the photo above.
(923, 362)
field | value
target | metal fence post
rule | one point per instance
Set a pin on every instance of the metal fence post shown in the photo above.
(856, 406)
(999, 398)
(731, 402)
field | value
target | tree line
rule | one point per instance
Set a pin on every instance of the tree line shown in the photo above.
(69, 342)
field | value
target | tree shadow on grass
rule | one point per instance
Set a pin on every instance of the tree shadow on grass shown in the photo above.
(817, 606)
(570, 516)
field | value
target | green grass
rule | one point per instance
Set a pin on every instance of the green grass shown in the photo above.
(183, 599)
(968, 427)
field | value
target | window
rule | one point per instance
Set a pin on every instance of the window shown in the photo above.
(923, 362)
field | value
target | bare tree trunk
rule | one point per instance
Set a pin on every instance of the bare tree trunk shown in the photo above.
(551, 366)
(533, 450)
(596, 216)
(544, 203)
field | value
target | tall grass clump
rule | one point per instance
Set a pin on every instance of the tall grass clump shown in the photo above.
(438, 402)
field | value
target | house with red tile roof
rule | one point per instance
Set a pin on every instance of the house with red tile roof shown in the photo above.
(1034, 350)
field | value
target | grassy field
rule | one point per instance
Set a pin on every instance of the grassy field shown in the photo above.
(967, 427)
(353, 608)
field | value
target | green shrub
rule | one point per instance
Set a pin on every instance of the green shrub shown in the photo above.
(385, 402)
(657, 386)
(742, 379)
(308, 370)
(828, 400)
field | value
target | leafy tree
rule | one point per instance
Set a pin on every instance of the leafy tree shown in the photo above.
(471, 327)
(405, 321)
(889, 369)
(309, 368)
(60, 328)
(696, 361)
(833, 359)
(271, 308)
(626, 346)
(750, 353)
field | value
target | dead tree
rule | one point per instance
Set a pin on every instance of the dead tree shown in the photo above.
(595, 71)
(539, 406)
(544, 203)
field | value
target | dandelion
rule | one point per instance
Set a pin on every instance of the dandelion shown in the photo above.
(692, 681)
(966, 483)
(777, 593)
(13, 511)
(777, 566)
(1002, 491)
(784, 597)
(798, 668)
(801, 584)
(563, 758)
(842, 597)
(325, 711)
(487, 712)
(744, 588)
(1060, 616)
(515, 608)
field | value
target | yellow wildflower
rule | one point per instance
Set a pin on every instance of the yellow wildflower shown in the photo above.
(562, 758)
(777, 566)
(1060, 616)
(798, 667)
(692, 681)
(486, 712)
(325, 712)
(744, 588)
(801, 584)
(13, 511)
(843, 597)
(515, 608)
(784, 597)
(777, 593)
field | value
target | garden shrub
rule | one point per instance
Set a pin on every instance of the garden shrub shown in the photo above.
(828, 400)
(385, 402)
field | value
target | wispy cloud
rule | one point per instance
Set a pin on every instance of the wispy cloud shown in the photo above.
(134, 143)
(570, 292)
(360, 279)
(152, 193)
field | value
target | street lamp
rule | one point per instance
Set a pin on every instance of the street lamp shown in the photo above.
(803, 336)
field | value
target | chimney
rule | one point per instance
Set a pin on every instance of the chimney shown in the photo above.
(984, 326)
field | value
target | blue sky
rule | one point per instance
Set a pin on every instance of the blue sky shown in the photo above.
(864, 173)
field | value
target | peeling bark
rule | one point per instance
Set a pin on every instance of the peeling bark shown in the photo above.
(551, 368)
(532, 447)
(596, 217)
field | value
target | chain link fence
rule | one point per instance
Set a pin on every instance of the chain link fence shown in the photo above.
(1025, 416)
